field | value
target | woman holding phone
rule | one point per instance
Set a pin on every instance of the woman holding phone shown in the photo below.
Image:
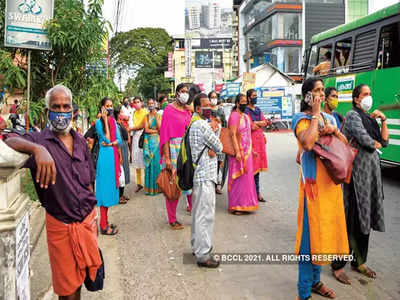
(108, 168)
(321, 224)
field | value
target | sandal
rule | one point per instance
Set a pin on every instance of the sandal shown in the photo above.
(363, 269)
(261, 199)
(341, 276)
(126, 198)
(218, 191)
(109, 230)
(122, 200)
(139, 188)
(237, 213)
(323, 290)
(176, 226)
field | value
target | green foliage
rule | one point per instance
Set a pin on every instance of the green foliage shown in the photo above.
(148, 78)
(13, 76)
(28, 187)
(98, 88)
(144, 51)
(131, 89)
(140, 47)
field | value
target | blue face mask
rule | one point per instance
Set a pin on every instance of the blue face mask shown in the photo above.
(60, 121)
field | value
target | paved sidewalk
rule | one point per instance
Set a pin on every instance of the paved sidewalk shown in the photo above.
(144, 261)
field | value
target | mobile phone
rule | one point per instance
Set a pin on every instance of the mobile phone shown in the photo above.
(309, 98)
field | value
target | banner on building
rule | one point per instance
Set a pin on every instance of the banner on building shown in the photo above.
(188, 57)
(216, 43)
(24, 23)
(208, 59)
(171, 62)
(208, 78)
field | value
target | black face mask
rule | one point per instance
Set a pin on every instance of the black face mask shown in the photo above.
(253, 100)
(206, 113)
(242, 107)
(126, 104)
(110, 112)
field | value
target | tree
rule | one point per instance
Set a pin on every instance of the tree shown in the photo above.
(148, 78)
(77, 59)
(145, 52)
(131, 89)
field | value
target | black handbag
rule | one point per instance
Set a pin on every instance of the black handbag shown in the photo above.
(141, 140)
(98, 283)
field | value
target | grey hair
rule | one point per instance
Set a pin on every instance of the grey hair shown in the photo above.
(57, 88)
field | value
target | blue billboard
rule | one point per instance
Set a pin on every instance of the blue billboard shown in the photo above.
(275, 102)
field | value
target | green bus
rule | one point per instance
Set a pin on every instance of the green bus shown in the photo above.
(364, 51)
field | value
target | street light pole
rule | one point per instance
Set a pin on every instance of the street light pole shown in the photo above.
(28, 92)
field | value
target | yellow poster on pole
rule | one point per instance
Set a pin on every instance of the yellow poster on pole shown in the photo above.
(249, 81)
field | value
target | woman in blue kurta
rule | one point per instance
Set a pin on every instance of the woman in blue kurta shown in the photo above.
(108, 165)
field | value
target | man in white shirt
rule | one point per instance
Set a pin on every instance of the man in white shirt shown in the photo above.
(127, 111)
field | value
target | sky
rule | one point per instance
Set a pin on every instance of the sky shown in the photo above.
(379, 4)
(169, 14)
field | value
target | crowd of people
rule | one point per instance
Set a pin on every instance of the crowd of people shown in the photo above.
(148, 137)
(93, 171)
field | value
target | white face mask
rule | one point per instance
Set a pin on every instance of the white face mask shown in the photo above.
(366, 103)
(183, 98)
(214, 101)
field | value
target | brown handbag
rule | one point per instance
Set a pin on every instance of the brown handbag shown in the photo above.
(167, 183)
(227, 141)
(337, 157)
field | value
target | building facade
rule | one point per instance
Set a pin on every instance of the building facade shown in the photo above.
(209, 67)
(193, 16)
(356, 9)
(278, 31)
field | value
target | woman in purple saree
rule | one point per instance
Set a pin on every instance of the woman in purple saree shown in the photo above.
(242, 194)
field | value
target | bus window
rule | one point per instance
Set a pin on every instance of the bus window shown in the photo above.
(342, 56)
(324, 61)
(364, 49)
(389, 45)
(312, 62)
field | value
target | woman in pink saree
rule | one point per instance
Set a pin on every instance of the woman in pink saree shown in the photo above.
(176, 118)
(242, 193)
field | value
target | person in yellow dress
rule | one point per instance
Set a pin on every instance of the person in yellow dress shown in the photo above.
(321, 223)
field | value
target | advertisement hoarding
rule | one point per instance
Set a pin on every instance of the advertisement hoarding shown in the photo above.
(275, 102)
(216, 43)
(208, 59)
(24, 23)
(231, 89)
